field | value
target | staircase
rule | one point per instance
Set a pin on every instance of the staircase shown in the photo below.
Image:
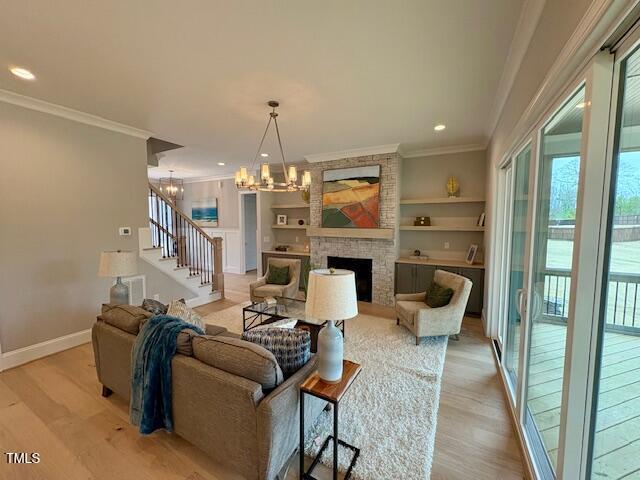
(174, 244)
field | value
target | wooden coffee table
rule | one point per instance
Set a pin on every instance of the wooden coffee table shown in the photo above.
(332, 393)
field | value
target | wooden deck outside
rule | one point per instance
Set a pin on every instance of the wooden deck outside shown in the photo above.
(617, 444)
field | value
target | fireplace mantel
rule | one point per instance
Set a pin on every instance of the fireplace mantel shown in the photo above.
(378, 233)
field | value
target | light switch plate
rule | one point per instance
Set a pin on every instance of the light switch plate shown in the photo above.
(124, 231)
(446, 245)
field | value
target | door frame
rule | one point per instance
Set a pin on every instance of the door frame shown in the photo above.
(243, 260)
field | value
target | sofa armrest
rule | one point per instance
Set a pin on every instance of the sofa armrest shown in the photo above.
(411, 297)
(258, 283)
(279, 421)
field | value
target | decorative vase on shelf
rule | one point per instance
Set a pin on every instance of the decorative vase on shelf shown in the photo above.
(453, 187)
(306, 196)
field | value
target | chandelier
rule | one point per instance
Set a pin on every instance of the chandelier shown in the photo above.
(245, 181)
(172, 187)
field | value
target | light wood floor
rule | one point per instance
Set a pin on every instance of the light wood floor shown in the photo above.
(53, 406)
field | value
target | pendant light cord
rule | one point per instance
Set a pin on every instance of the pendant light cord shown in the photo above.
(284, 164)
(261, 142)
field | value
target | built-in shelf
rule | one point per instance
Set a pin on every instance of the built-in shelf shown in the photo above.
(380, 233)
(425, 201)
(440, 263)
(291, 227)
(289, 205)
(443, 228)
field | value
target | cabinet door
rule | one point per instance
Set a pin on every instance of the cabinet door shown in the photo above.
(405, 278)
(476, 275)
(455, 270)
(424, 277)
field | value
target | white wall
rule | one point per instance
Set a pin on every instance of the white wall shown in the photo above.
(66, 188)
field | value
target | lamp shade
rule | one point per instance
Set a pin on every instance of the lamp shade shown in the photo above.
(331, 295)
(120, 263)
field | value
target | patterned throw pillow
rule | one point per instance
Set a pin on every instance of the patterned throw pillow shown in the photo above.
(438, 296)
(180, 310)
(278, 275)
(154, 306)
(291, 347)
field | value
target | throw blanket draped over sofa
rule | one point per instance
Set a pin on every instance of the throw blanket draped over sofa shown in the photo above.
(155, 346)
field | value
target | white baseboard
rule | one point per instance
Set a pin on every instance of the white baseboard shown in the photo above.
(43, 349)
(237, 270)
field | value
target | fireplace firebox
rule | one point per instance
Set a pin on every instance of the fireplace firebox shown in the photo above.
(362, 267)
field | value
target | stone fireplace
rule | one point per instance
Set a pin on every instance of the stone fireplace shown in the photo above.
(348, 244)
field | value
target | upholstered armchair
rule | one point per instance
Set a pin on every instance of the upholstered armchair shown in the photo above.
(260, 289)
(424, 321)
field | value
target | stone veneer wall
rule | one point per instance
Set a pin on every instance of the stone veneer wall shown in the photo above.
(382, 252)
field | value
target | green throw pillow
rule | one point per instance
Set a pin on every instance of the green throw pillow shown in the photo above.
(438, 296)
(278, 275)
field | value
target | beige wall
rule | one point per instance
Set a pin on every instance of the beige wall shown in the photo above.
(226, 193)
(66, 188)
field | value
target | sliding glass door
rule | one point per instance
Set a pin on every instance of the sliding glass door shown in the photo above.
(552, 253)
(516, 273)
(615, 451)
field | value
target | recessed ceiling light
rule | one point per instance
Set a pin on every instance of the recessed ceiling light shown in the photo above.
(221, 164)
(22, 73)
(439, 128)
(264, 154)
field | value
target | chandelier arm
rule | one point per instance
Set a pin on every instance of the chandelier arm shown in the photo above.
(284, 165)
(264, 135)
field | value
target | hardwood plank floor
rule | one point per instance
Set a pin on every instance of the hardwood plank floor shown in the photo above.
(53, 406)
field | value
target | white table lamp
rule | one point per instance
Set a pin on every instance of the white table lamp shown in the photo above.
(331, 296)
(118, 264)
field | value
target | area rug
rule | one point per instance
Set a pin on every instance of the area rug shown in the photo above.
(390, 411)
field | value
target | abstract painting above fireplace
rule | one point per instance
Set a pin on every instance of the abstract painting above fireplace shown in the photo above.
(351, 197)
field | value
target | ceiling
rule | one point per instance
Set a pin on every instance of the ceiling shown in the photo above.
(348, 75)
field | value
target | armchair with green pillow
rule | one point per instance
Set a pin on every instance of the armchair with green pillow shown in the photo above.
(439, 310)
(282, 279)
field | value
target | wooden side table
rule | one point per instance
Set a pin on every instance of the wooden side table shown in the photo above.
(332, 393)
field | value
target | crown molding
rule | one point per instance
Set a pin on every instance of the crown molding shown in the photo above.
(597, 24)
(527, 23)
(429, 152)
(70, 114)
(211, 178)
(354, 152)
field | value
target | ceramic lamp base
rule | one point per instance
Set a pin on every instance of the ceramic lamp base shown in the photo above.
(119, 293)
(330, 353)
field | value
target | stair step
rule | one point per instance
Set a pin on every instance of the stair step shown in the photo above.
(166, 259)
(181, 268)
(148, 249)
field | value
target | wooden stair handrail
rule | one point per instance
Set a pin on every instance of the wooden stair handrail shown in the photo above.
(180, 213)
(162, 228)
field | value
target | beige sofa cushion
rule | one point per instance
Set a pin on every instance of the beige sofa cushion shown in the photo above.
(238, 357)
(407, 310)
(268, 291)
(124, 317)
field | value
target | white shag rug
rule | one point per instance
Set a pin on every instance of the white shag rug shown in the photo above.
(390, 411)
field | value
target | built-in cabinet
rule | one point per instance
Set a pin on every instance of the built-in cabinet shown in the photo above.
(416, 277)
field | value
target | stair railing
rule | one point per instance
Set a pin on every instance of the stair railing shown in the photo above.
(181, 238)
